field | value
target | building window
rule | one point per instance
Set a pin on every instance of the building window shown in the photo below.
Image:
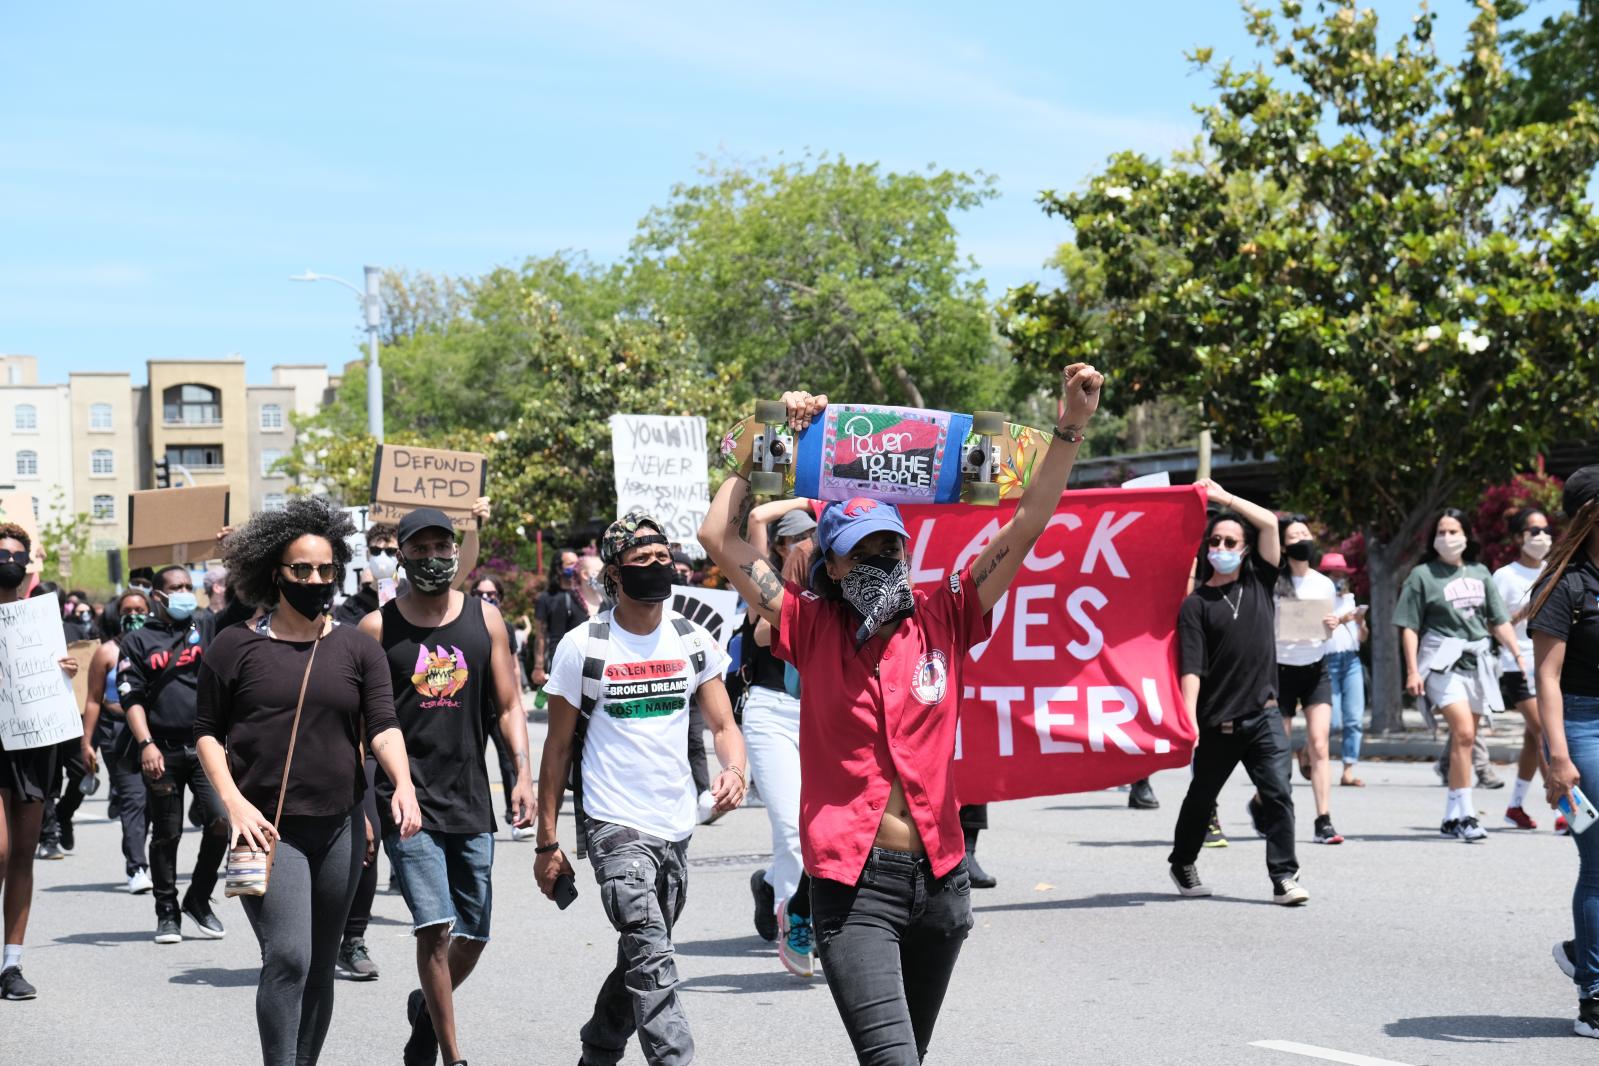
(26, 418)
(27, 464)
(105, 508)
(271, 416)
(207, 457)
(100, 417)
(269, 457)
(192, 405)
(273, 501)
(102, 463)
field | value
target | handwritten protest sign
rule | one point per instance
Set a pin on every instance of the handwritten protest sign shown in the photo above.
(176, 525)
(1301, 621)
(661, 466)
(37, 707)
(405, 477)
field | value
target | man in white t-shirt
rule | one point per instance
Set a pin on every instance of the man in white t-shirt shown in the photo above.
(619, 689)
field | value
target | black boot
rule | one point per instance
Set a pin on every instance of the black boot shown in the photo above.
(981, 878)
(1141, 797)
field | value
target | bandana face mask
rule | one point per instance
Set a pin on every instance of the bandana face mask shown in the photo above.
(879, 588)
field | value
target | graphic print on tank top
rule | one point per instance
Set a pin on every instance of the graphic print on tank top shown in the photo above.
(440, 673)
(654, 688)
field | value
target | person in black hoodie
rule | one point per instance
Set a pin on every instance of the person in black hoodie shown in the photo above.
(156, 679)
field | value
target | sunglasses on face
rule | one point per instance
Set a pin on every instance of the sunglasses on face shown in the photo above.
(1225, 542)
(488, 597)
(302, 571)
(392, 553)
(13, 557)
(1533, 531)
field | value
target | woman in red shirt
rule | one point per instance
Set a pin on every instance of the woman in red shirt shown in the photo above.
(881, 668)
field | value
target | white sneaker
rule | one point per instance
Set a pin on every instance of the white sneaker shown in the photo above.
(1288, 893)
(518, 833)
(139, 881)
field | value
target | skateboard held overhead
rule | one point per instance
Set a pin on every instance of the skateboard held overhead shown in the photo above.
(904, 455)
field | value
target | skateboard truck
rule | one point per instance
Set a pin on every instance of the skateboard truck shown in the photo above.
(980, 459)
(770, 450)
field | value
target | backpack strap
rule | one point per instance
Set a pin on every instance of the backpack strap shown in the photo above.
(694, 637)
(1576, 593)
(597, 645)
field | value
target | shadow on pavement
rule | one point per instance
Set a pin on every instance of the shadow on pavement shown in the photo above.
(1477, 1028)
(743, 984)
(1114, 899)
(103, 886)
(1124, 843)
(121, 936)
(733, 947)
(217, 977)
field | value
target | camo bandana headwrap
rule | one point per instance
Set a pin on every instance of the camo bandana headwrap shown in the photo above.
(623, 534)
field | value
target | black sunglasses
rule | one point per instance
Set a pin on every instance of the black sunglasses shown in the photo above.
(392, 553)
(13, 557)
(302, 571)
(1225, 542)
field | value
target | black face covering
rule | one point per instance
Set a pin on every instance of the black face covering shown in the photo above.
(879, 588)
(1300, 550)
(312, 601)
(648, 584)
(11, 575)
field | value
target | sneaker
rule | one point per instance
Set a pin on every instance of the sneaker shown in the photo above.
(353, 963)
(1142, 797)
(139, 881)
(1257, 812)
(203, 919)
(794, 945)
(49, 850)
(69, 837)
(1288, 893)
(1488, 779)
(168, 930)
(765, 906)
(1587, 1023)
(518, 833)
(1562, 827)
(1325, 833)
(1565, 954)
(1450, 827)
(14, 986)
(422, 1048)
(1469, 831)
(1518, 818)
(1186, 877)
(1214, 837)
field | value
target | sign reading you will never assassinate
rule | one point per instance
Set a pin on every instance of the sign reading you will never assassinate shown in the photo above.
(662, 466)
(405, 477)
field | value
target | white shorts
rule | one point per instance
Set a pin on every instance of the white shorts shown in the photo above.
(1445, 687)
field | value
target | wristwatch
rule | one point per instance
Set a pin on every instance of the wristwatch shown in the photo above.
(146, 741)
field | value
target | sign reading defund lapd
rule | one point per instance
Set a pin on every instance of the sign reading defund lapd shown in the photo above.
(661, 466)
(37, 707)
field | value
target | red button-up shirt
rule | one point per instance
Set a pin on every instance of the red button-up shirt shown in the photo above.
(869, 716)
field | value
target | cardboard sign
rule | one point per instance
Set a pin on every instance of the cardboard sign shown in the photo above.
(405, 477)
(37, 707)
(1300, 621)
(83, 651)
(662, 466)
(176, 525)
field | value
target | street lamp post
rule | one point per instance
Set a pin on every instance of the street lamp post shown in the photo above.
(374, 371)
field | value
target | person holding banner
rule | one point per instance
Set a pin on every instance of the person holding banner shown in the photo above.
(881, 667)
(1227, 636)
(24, 781)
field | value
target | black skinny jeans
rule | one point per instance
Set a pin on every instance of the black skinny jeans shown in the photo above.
(888, 945)
(166, 829)
(367, 890)
(1257, 742)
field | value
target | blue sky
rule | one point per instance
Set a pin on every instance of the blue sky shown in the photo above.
(164, 168)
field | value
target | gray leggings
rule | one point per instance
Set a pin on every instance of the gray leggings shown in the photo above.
(299, 924)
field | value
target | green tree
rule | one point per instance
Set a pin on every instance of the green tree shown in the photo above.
(828, 275)
(1352, 269)
(1555, 64)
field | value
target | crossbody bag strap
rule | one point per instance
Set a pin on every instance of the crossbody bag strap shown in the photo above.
(294, 734)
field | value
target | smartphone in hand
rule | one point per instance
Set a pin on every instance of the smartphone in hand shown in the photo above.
(1578, 809)
(565, 891)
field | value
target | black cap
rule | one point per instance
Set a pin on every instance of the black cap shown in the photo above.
(424, 518)
(1580, 488)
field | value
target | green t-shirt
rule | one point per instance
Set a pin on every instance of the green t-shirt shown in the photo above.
(1453, 601)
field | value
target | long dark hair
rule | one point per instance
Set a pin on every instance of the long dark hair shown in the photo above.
(1285, 574)
(1203, 570)
(1564, 553)
(1431, 554)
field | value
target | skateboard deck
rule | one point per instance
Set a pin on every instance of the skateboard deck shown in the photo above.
(903, 455)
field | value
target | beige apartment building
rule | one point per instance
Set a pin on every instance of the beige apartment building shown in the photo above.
(105, 453)
(196, 410)
(35, 439)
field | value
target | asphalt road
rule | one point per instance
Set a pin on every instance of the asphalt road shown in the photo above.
(1413, 950)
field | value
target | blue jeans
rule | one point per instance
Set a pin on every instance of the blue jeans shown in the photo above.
(1348, 700)
(446, 878)
(1582, 740)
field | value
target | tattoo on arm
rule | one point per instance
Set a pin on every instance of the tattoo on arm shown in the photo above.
(768, 583)
(742, 515)
(379, 744)
(993, 564)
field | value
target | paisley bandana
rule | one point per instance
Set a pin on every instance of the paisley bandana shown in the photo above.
(879, 589)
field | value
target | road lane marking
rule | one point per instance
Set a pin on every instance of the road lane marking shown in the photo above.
(1325, 1054)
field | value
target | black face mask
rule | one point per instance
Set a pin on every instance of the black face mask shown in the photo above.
(11, 575)
(648, 584)
(1300, 550)
(311, 601)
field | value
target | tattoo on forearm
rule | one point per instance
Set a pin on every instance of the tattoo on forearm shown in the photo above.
(379, 744)
(742, 514)
(993, 564)
(768, 583)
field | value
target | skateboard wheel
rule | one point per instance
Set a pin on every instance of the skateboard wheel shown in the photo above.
(768, 482)
(986, 423)
(771, 412)
(982, 492)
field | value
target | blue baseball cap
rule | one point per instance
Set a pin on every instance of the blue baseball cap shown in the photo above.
(844, 525)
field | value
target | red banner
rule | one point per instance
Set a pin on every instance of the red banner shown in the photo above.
(1077, 688)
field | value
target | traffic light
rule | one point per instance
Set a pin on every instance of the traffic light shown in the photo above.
(163, 476)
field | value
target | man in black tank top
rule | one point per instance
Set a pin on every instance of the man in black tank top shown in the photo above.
(450, 659)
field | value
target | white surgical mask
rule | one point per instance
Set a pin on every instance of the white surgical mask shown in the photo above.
(1225, 562)
(383, 567)
(1538, 546)
(1450, 546)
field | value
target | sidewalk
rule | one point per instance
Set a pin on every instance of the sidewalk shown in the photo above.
(1416, 742)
